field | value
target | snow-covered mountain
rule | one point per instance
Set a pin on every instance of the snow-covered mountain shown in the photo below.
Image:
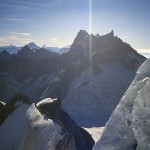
(12, 49)
(128, 126)
(85, 78)
(42, 126)
(32, 45)
(4, 55)
(35, 53)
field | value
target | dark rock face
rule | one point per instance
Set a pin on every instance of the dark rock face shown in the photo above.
(70, 131)
(35, 54)
(4, 55)
(2, 113)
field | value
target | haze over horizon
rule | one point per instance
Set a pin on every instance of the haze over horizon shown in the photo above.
(56, 22)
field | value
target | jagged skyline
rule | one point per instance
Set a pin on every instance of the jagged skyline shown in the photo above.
(56, 22)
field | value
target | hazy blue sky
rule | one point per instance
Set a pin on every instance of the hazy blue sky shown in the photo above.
(56, 22)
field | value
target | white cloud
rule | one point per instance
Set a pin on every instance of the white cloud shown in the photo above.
(18, 39)
(22, 38)
(17, 20)
(54, 39)
(25, 34)
(27, 5)
(20, 7)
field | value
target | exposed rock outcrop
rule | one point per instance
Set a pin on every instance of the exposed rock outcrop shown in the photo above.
(74, 137)
(128, 127)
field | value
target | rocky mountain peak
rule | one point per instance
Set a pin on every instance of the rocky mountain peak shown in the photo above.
(82, 34)
(25, 47)
(32, 45)
(112, 33)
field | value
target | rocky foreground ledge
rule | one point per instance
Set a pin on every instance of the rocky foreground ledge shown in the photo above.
(129, 126)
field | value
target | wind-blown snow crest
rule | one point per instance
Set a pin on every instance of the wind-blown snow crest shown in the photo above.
(27, 129)
(128, 126)
(42, 133)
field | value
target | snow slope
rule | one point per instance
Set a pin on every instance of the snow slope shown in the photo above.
(128, 126)
(27, 129)
(42, 126)
(42, 133)
(13, 129)
(96, 132)
(91, 98)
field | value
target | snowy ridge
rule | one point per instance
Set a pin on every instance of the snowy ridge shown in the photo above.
(128, 126)
(43, 126)
(44, 101)
(32, 45)
(42, 133)
(27, 129)
(12, 49)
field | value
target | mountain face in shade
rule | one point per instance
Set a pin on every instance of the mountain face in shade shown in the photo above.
(4, 55)
(32, 45)
(105, 48)
(34, 53)
(87, 77)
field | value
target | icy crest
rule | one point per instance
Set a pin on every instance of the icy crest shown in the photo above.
(42, 133)
(128, 126)
(44, 101)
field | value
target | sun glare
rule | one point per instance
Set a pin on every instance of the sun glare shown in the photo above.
(90, 31)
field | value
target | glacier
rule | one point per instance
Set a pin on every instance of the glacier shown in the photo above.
(128, 126)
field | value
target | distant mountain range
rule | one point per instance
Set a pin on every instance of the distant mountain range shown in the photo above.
(89, 79)
(12, 49)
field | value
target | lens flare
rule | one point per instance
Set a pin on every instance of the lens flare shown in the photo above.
(90, 32)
